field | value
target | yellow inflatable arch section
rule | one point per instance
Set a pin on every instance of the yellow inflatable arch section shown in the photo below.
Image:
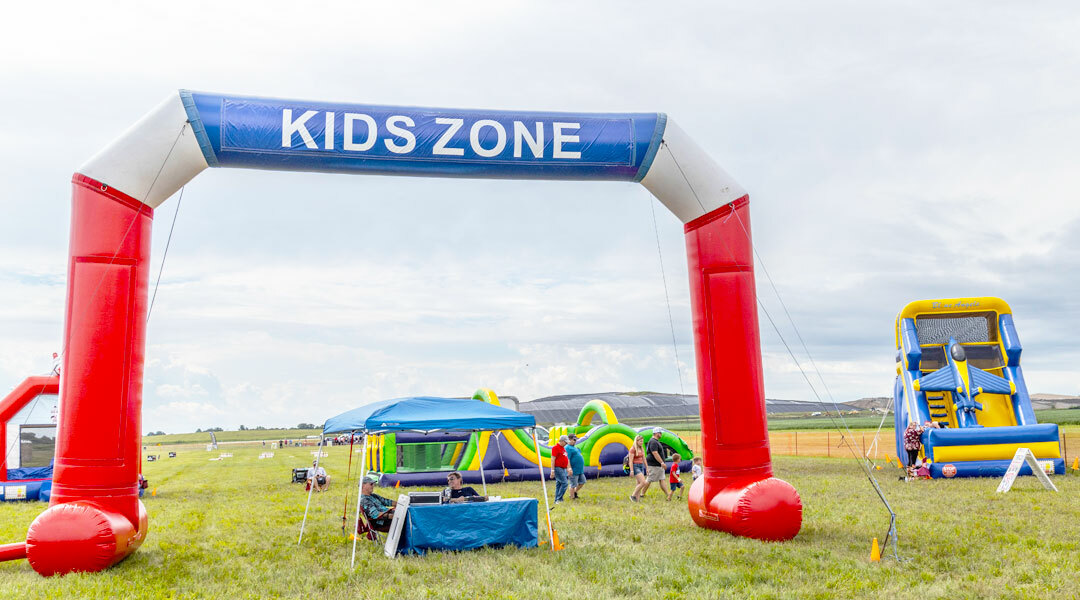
(595, 408)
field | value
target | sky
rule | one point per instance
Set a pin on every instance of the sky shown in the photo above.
(891, 152)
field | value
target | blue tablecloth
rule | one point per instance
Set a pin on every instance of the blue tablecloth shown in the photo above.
(469, 525)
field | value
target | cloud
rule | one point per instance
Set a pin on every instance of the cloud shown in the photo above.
(185, 412)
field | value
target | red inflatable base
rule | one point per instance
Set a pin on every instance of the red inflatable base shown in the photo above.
(763, 509)
(81, 536)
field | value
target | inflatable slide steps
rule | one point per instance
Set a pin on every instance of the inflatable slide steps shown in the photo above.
(941, 410)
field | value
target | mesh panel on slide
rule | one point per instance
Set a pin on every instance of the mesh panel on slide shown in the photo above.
(933, 329)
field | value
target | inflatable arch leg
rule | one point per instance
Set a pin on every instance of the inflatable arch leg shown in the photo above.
(737, 493)
(95, 518)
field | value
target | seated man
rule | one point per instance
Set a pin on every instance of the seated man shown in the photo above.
(317, 477)
(378, 510)
(455, 493)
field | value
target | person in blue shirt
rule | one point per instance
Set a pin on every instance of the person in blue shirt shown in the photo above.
(577, 467)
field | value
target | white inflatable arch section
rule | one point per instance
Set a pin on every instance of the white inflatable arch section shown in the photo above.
(682, 176)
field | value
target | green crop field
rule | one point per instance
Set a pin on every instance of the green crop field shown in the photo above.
(247, 435)
(228, 529)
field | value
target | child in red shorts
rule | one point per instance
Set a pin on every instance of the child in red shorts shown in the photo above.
(675, 479)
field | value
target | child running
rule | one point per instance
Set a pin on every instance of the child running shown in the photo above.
(675, 479)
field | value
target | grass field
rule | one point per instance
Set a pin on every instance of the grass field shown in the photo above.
(227, 529)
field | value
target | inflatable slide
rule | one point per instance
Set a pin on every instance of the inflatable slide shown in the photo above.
(28, 439)
(958, 369)
(509, 454)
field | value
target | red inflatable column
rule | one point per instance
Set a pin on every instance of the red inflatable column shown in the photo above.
(95, 518)
(738, 493)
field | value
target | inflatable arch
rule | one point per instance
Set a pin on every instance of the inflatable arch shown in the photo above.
(95, 517)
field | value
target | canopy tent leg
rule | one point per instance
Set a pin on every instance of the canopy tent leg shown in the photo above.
(311, 488)
(543, 484)
(359, 495)
(348, 478)
(480, 447)
(502, 462)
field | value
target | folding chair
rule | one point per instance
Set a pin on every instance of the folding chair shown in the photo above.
(364, 528)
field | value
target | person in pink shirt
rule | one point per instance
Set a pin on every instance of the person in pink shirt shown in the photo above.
(912, 442)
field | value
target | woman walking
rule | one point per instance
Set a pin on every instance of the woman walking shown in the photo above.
(636, 458)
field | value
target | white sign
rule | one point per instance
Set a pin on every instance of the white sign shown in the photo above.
(396, 525)
(15, 492)
(1037, 468)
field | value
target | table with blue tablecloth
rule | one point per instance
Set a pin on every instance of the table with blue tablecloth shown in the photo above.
(469, 525)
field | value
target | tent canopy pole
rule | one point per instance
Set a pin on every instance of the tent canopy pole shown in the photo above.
(311, 488)
(543, 485)
(359, 496)
(480, 447)
(348, 478)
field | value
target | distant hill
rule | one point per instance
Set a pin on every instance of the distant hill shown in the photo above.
(1044, 401)
(637, 405)
(877, 403)
(640, 405)
(1038, 402)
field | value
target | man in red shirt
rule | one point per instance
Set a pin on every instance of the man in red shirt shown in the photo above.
(559, 466)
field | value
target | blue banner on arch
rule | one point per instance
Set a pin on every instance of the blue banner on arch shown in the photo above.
(356, 138)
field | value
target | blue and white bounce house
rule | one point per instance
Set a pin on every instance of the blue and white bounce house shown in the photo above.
(28, 438)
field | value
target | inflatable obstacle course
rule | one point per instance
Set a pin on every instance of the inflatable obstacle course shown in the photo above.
(958, 368)
(407, 458)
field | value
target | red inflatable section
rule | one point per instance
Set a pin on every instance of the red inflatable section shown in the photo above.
(95, 518)
(737, 493)
(30, 388)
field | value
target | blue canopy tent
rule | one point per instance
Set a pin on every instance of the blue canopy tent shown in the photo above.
(425, 414)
